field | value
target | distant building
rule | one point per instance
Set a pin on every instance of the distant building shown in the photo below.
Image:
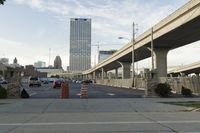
(15, 64)
(4, 61)
(39, 64)
(50, 71)
(80, 44)
(30, 70)
(15, 61)
(104, 54)
(58, 63)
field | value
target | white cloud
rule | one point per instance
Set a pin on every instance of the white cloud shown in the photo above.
(112, 15)
(110, 18)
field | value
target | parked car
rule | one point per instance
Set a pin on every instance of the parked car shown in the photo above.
(57, 83)
(87, 81)
(2, 81)
(34, 81)
(44, 80)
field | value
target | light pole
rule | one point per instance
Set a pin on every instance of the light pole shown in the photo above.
(133, 53)
(133, 56)
(152, 56)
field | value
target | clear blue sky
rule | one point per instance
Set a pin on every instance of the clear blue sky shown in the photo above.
(28, 28)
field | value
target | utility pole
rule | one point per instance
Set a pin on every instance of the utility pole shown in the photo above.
(152, 55)
(133, 56)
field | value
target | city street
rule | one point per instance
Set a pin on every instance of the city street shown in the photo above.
(108, 109)
(141, 58)
(94, 91)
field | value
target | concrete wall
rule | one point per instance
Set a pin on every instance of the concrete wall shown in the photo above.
(192, 83)
(126, 83)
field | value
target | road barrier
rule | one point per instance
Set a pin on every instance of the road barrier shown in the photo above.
(64, 90)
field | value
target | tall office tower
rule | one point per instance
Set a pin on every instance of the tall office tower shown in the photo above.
(80, 44)
(58, 63)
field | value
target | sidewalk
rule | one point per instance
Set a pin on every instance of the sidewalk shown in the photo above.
(91, 105)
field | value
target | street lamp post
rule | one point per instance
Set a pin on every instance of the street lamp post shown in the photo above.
(133, 56)
(152, 56)
(133, 53)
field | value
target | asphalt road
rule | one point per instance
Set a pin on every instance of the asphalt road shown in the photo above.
(107, 110)
(94, 91)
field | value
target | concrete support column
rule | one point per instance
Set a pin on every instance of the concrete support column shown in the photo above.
(102, 73)
(197, 75)
(98, 75)
(84, 77)
(106, 74)
(161, 62)
(116, 73)
(126, 70)
(94, 75)
(110, 75)
(90, 76)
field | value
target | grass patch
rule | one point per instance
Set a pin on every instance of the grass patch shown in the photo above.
(194, 104)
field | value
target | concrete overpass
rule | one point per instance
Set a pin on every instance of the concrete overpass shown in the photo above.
(187, 69)
(178, 29)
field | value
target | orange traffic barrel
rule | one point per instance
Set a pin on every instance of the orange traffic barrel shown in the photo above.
(64, 90)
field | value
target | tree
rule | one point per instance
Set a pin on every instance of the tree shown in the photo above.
(2, 2)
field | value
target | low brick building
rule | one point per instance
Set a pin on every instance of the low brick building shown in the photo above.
(30, 70)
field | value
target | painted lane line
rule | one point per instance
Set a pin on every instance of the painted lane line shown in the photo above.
(111, 94)
(34, 93)
(98, 123)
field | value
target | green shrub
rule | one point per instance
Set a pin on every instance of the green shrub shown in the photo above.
(3, 92)
(163, 90)
(186, 91)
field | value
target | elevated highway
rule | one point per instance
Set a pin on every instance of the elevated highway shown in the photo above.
(178, 29)
(187, 69)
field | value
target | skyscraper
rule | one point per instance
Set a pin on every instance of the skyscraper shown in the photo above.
(80, 44)
(58, 63)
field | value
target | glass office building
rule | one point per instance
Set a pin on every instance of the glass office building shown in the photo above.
(80, 44)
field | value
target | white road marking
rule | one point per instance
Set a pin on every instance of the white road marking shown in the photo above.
(111, 94)
(34, 93)
(99, 123)
(78, 94)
